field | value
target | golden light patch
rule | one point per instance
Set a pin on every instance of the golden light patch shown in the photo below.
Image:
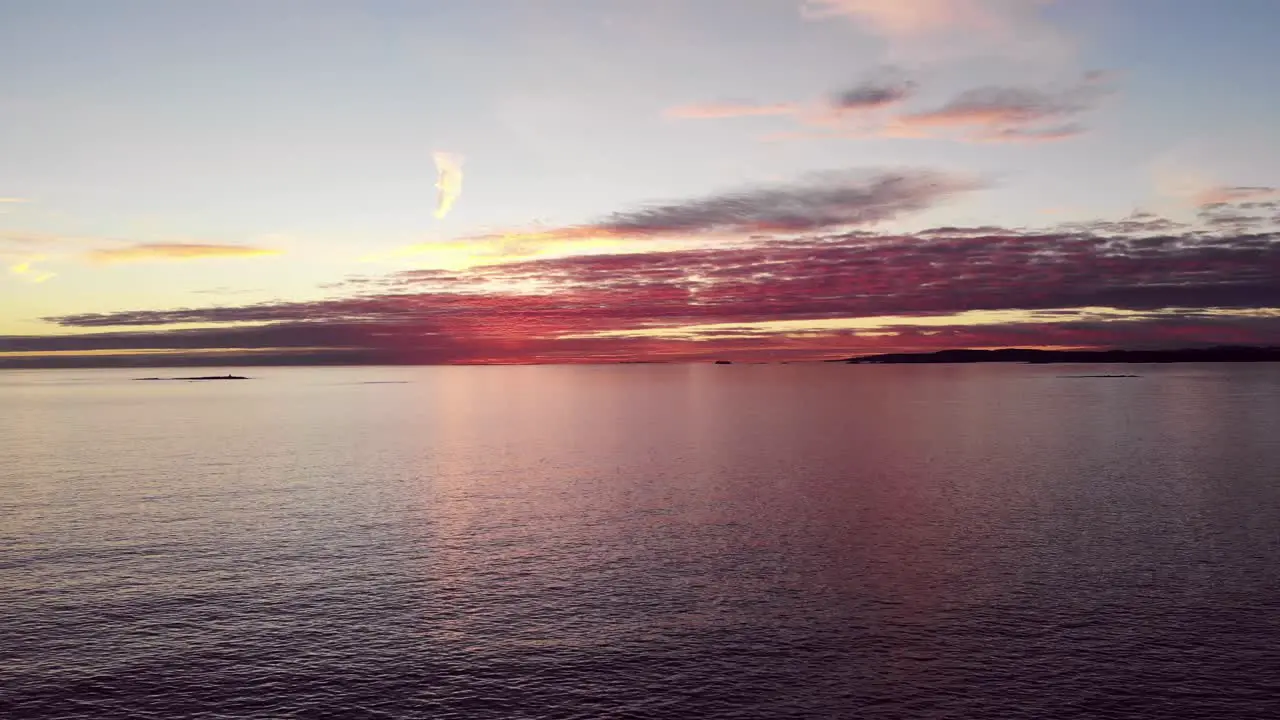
(144, 252)
(877, 326)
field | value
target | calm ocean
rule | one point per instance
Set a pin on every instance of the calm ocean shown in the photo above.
(642, 541)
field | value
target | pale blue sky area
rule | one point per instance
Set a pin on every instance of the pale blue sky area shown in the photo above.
(309, 124)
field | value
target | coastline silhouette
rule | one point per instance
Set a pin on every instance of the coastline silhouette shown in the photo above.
(1035, 357)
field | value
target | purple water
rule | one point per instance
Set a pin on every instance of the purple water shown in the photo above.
(667, 541)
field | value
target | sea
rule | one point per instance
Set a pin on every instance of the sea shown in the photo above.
(661, 541)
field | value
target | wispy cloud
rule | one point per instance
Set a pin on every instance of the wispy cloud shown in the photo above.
(996, 113)
(1236, 193)
(887, 87)
(143, 252)
(821, 202)
(1239, 208)
(874, 94)
(25, 269)
(920, 17)
(226, 291)
(7, 203)
(730, 109)
(939, 28)
(872, 108)
(22, 240)
(448, 181)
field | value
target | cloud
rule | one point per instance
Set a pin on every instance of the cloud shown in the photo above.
(224, 290)
(8, 202)
(983, 114)
(448, 181)
(829, 201)
(1139, 281)
(938, 28)
(386, 343)
(142, 252)
(24, 269)
(919, 17)
(1004, 113)
(888, 88)
(822, 202)
(1238, 208)
(23, 249)
(793, 270)
(872, 95)
(1137, 223)
(1235, 193)
(22, 242)
(722, 110)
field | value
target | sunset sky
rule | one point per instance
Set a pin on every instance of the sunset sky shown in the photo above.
(391, 181)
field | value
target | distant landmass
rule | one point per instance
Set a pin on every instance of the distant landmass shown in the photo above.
(1025, 355)
(201, 377)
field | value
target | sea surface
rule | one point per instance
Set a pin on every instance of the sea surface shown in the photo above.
(642, 541)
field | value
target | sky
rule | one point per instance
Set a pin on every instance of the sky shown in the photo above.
(503, 181)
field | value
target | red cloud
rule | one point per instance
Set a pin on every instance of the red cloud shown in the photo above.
(1167, 287)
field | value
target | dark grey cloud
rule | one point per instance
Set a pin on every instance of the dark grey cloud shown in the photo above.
(874, 94)
(824, 202)
(1137, 223)
(1240, 208)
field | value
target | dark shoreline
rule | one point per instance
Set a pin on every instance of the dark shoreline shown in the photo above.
(1047, 357)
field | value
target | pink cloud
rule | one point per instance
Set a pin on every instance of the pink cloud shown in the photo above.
(929, 28)
(710, 111)
(1010, 113)
(1235, 193)
(918, 17)
(992, 113)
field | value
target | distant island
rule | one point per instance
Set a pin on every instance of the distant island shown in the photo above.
(202, 377)
(1099, 376)
(1024, 355)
